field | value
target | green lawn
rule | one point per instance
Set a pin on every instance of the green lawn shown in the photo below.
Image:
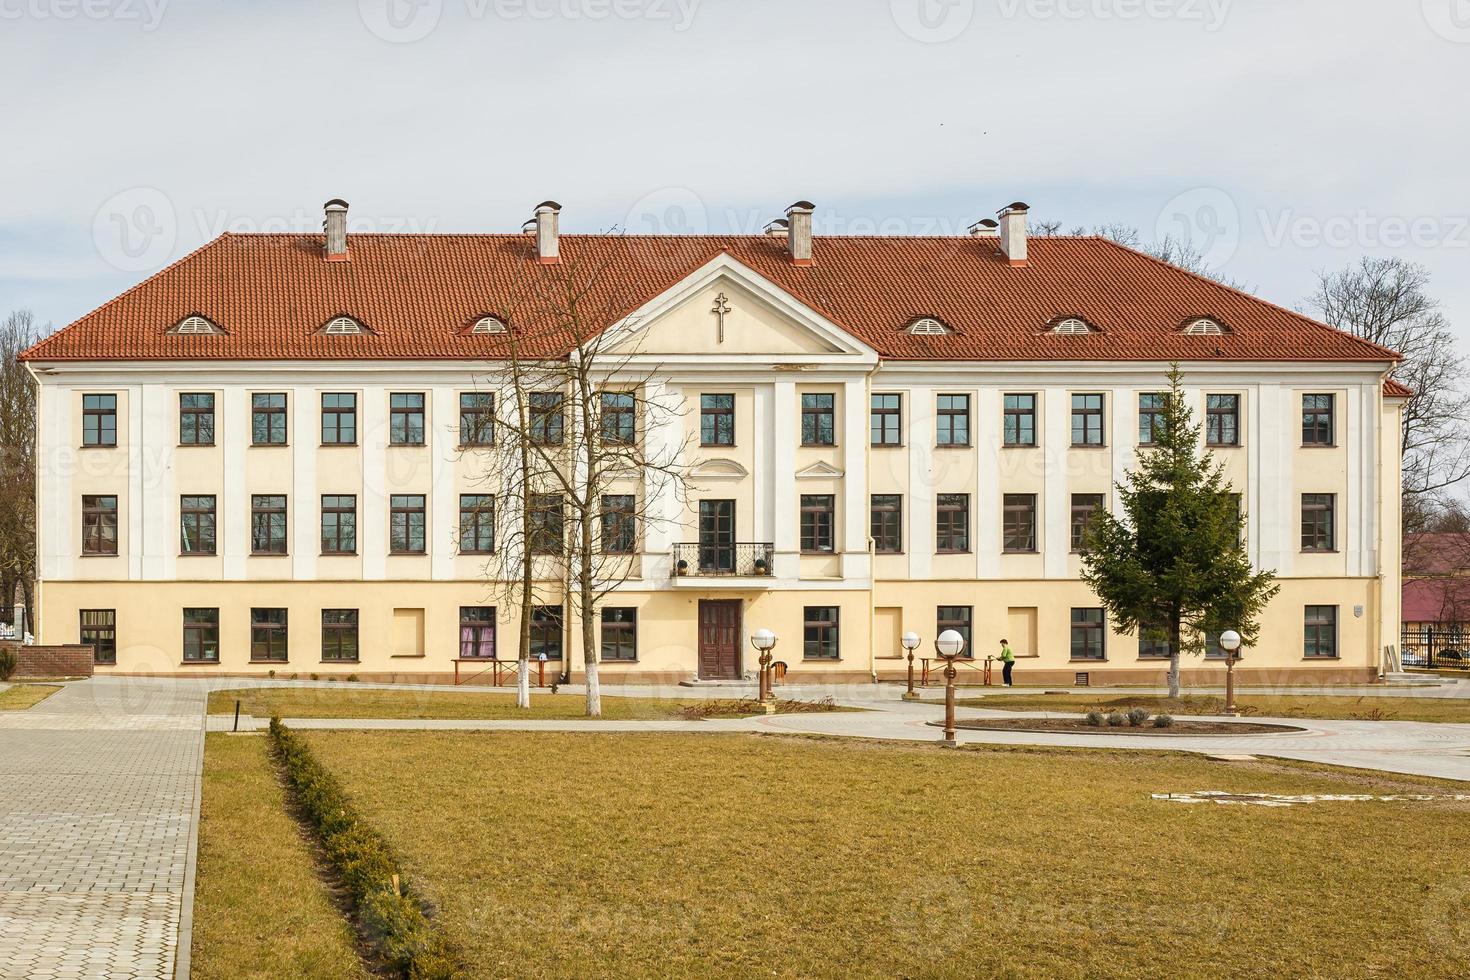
(1265, 705)
(347, 702)
(23, 696)
(260, 910)
(574, 855)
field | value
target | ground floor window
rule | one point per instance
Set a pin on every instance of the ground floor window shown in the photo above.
(268, 635)
(956, 618)
(99, 629)
(1087, 634)
(339, 636)
(619, 633)
(1321, 631)
(819, 633)
(201, 636)
(476, 632)
(1153, 643)
(546, 632)
(1213, 649)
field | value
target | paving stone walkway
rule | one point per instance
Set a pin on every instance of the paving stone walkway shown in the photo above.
(98, 802)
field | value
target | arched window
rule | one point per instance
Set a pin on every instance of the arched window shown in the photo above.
(1203, 327)
(195, 324)
(488, 324)
(1071, 325)
(927, 326)
(340, 325)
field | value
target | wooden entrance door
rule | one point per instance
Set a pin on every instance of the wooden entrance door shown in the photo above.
(719, 639)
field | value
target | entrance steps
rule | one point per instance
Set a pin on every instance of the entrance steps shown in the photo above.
(1403, 678)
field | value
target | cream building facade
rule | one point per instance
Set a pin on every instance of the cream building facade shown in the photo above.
(231, 484)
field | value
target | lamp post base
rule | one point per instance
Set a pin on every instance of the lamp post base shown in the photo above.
(912, 696)
(769, 707)
(948, 743)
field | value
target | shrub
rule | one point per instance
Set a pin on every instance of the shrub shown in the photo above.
(8, 662)
(1137, 716)
(1163, 721)
(393, 920)
(1116, 719)
(352, 678)
(1094, 718)
(314, 676)
(271, 672)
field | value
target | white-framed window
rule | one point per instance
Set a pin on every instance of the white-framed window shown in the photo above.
(927, 326)
(196, 324)
(488, 324)
(1203, 327)
(341, 325)
(1071, 325)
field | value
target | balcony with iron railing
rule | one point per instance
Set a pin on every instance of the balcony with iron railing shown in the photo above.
(726, 560)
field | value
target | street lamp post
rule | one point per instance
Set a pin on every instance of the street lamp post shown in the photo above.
(949, 645)
(1230, 643)
(910, 641)
(764, 642)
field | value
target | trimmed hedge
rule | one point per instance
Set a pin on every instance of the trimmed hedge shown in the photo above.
(391, 919)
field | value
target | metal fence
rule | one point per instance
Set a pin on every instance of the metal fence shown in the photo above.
(1444, 647)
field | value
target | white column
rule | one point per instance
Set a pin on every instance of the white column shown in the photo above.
(855, 527)
(764, 450)
(59, 506)
(138, 503)
(372, 525)
(783, 474)
(1057, 421)
(662, 435)
(916, 431)
(233, 529)
(1364, 490)
(305, 509)
(989, 408)
(154, 466)
(442, 428)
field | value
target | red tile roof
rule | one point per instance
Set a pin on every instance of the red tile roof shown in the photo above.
(1394, 389)
(417, 293)
(1436, 600)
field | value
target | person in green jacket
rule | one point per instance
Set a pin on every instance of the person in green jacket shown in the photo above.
(1008, 659)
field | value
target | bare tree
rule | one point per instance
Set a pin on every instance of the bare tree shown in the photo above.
(18, 466)
(1175, 251)
(1387, 302)
(579, 403)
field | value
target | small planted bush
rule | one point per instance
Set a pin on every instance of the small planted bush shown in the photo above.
(393, 921)
(1137, 716)
(1094, 718)
(1117, 719)
(1163, 721)
(8, 662)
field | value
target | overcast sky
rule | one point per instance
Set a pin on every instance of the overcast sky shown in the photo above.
(1284, 136)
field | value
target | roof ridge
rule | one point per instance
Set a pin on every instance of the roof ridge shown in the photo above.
(1296, 314)
(31, 352)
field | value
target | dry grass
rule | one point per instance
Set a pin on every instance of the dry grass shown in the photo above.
(260, 910)
(22, 696)
(675, 854)
(339, 702)
(1267, 706)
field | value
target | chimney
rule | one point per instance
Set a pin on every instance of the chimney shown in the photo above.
(985, 228)
(548, 250)
(799, 232)
(777, 227)
(335, 226)
(1013, 233)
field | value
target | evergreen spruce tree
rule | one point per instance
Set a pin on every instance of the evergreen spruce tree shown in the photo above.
(1171, 562)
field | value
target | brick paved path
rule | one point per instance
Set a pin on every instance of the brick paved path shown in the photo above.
(98, 796)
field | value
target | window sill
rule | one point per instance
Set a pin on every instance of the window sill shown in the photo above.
(1316, 659)
(269, 445)
(1320, 551)
(475, 445)
(819, 445)
(337, 554)
(954, 552)
(1213, 446)
(199, 663)
(602, 661)
(407, 445)
(821, 660)
(255, 661)
(198, 554)
(270, 554)
(329, 663)
(1096, 445)
(1319, 445)
(337, 445)
(953, 445)
(475, 554)
(411, 656)
(817, 554)
(1015, 551)
(99, 445)
(407, 554)
(99, 554)
(196, 445)
(1087, 660)
(885, 445)
(1020, 445)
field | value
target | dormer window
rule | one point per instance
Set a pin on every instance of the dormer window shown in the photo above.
(927, 326)
(1071, 325)
(488, 324)
(343, 325)
(196, 324)
(1203, 327)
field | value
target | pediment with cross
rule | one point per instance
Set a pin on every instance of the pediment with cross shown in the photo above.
(727, 310)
